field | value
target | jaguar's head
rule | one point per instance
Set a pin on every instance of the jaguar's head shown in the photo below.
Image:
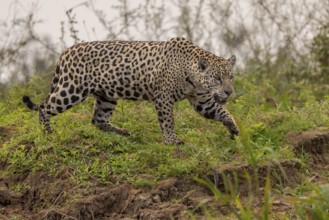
(216, 76)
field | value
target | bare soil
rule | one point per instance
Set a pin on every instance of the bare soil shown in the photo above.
(314, 144)
(43, 196)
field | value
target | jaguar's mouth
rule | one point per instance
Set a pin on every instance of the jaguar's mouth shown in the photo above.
(220, 100)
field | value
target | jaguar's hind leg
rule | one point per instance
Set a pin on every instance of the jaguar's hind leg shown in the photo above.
(63, 98)
(103, 109)
(44, 116)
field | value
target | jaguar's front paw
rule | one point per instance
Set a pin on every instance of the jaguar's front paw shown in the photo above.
(234, 132)
(173, 140)
(233, 129)
(48, 130)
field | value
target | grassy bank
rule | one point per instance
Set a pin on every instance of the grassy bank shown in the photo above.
(264, 116)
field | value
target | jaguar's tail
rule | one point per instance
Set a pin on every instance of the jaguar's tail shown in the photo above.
(27, 101)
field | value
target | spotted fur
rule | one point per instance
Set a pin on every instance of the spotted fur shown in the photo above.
(163, 72)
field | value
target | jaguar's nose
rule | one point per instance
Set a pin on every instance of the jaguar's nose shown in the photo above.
(228, 91)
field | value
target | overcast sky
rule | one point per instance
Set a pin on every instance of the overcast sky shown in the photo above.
(52, 13)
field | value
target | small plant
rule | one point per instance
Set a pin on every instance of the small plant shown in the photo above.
(315, 206)
(242, 209)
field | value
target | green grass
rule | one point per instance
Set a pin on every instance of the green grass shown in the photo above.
(142, 159)
(93, 153)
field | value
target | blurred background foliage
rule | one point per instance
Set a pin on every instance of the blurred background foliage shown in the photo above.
(279, 44)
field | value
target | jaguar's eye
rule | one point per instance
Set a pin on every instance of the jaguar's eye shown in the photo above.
(218, 78)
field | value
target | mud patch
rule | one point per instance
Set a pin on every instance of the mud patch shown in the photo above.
(53, 197)
(56, 197)
(25, 194)
(315, 144)
(244, 177)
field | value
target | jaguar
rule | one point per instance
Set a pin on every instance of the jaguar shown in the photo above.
(163, 72)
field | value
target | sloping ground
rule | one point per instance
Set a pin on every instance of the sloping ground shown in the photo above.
(245, 176)
(41, 196)
(314, 144)
(51, 198)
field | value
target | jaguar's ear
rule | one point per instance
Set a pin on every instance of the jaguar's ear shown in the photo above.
(232, 60)
(203, 64)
